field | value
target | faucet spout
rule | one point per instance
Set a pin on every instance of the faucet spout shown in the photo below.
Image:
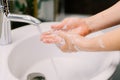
(6, 18)
(23, 18)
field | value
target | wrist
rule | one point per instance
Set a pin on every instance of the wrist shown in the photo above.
(85, 29)
(99, 21)
(88, 45)
(91, 22)
(82, 44)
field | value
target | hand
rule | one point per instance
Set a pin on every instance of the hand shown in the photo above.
(66, 41)
(77, 25)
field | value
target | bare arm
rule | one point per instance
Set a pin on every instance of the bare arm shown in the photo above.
(109, 41)
(105, 19)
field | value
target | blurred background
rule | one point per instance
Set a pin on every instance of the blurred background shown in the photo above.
(56, 10)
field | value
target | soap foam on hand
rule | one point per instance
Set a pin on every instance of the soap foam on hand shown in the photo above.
(52, 37)
(60, 41)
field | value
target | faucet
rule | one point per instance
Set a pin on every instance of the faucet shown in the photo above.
(6, 17)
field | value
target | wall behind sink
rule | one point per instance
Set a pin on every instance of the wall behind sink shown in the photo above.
(87, 6)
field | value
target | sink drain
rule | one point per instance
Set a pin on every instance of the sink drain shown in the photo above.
(36, 76)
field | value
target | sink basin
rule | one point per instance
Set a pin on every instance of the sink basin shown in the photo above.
(27, 55)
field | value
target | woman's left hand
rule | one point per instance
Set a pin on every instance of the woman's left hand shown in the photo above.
(66, 41)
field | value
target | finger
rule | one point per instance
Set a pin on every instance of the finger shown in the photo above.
(60, 25)
(53, 38)
(74, 31)
(65, 46)
(57, 26)
(47, 37)
(72, 23)
(43, 37)
(49, 41)
(47, 32)
(71, 41)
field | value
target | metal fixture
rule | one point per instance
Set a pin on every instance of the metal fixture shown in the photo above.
(6, 17)
(36, 76)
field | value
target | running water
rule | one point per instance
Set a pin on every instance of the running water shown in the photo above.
(52, 61)
(55, 68)
(38, 28)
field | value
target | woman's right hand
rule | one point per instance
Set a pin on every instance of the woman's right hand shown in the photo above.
(73, 24)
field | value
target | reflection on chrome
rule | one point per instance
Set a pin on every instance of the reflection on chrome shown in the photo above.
(6, 17)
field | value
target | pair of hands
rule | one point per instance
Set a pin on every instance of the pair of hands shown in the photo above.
(68, 34)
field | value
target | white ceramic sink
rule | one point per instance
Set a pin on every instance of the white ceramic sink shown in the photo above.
(26, 55)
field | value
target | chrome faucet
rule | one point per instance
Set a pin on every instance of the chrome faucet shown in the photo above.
(6, 17)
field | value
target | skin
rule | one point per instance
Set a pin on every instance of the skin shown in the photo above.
(75, 24)
(77, 28)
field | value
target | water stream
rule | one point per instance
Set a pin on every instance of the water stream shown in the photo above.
(52, 61)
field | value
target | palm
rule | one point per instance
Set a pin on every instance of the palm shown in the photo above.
(75, 25)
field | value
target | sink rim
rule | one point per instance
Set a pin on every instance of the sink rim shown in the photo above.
(17, 40)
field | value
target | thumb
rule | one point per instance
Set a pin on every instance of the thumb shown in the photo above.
(64, 42)
(64, 35)
(68, 41)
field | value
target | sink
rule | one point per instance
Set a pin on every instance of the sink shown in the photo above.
(28, 55)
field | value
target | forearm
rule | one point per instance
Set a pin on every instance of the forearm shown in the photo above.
(106, 42)
(105, 19)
